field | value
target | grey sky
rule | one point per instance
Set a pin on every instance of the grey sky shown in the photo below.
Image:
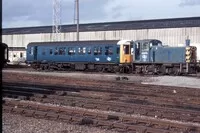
(21, 13)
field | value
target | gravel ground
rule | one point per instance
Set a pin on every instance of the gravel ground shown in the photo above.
(78, 75)
(174, 81)
(179, 81)
(19, 124)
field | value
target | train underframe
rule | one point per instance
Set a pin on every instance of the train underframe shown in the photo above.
(135, 68)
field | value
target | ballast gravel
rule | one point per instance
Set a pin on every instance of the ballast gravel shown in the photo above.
(178, 81)
(12, 123)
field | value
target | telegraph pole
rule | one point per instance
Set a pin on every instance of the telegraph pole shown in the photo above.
(77, 18)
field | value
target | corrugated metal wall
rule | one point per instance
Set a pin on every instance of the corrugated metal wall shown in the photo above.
(172, 36)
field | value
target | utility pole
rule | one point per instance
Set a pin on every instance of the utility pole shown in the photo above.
(76, 18)
(56, 29)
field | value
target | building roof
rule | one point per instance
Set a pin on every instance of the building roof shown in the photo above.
(102, 42)
(123, 25)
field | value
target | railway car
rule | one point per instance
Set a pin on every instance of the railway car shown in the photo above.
(150, 56)
(126, 56)
(82, 55)
(4, 53)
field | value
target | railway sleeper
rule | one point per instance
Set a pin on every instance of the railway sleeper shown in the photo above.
(120, 126)
(129, 120)
(181, 128)
(112, 117)
(116, 109)
(40, 114)
(13, 103)
(196, 119)
(154, 114)
(52, 115)
(28, 113)
(105, 124)
(105, 108)
(7, 109)
(54, 109)
(33, 106)
(66, 111)
(141, 112)
(17, 110)
(169, 116)
(151, 130)
(102, 116)
(90, 114)
(42, 108)
(23, 105)
(90, 106)
(136, 128)
(40, 95)
(76, 120)
(78, 113)
(66, 118)
(185, 118)
(86, 121)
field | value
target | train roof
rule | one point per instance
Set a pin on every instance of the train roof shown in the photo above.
(148, 40)
(101, 42)
(105, 26)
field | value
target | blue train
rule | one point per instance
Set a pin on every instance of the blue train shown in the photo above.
(126, 56)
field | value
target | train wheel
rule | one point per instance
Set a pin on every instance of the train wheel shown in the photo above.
(100, 69)
(116, 69)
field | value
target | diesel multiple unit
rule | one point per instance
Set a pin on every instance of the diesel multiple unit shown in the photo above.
(127, 56)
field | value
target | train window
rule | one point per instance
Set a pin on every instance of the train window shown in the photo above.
(81, 50)
(43, 51)
(21, 54)
(118, 50)
(145, 46)
(31, 50)
(109, 50)
(89, 50)
(99, 50)
(56, 51)
(95, 51)
(62, 51)
(50, 51)
(71, 51)
(126, 49)
(84, 50)
(5, 56)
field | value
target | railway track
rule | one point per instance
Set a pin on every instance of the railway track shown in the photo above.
(71, 98)
(122, 123)
(148, 95)
(28, 68)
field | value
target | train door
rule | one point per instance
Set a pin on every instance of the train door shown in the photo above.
(125, 53)
(35, 52)
(137, 51)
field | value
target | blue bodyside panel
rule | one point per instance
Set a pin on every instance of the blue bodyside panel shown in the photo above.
(167, 54)
(44, 54)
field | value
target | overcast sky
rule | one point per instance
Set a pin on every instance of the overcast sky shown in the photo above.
(23, 13)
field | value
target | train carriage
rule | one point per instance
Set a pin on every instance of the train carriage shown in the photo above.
(126, 56)
(81, 55)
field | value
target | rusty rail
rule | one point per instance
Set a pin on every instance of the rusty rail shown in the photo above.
(85, 117)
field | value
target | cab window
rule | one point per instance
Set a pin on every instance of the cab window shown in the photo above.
(145, 46)
(126, 49)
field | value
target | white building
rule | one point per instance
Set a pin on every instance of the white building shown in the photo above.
(172, 32)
